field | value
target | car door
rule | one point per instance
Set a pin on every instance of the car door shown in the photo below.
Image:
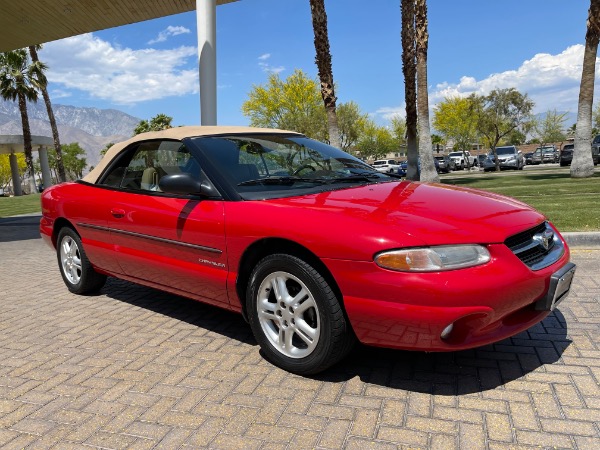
(176, 243)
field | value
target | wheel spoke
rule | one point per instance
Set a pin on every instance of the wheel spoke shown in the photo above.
(305, 305)
(299, 297)
(306, 332)
(288, 336)
(279, 288)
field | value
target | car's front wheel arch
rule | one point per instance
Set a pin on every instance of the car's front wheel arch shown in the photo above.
(270, 246)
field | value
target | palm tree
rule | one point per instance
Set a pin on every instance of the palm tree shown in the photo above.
(583, 165)
(428, 172)
(323, 60)
(410, 93)
(20, 80)
(59, 161)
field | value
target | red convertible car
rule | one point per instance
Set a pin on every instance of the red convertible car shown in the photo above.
(314, 247)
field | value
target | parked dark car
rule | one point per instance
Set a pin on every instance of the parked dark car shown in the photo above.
(445, 164)
(528, 157)
(481, 159)
(566, 154)
(404, 166)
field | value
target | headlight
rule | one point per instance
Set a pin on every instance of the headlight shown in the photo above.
(433, 259)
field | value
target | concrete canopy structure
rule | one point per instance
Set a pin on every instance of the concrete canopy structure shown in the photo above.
(30, 22)
(13, 144)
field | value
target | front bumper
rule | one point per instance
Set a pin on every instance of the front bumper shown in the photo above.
(484, 304)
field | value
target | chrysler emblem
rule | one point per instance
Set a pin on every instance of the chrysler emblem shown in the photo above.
(544, 239)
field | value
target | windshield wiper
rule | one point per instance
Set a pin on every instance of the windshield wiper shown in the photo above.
(352, 178)
(284, 180)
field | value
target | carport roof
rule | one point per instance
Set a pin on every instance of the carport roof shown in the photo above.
(14, 143)
(29, 22)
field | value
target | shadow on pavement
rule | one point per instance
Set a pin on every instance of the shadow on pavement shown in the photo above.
(19, 228)
(461, 372)
(226, 323)
(452, 373)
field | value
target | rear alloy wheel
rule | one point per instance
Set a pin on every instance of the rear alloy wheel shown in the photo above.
(295, 316)
(76, 270)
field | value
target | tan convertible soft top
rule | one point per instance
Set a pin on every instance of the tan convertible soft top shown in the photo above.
(172, 133)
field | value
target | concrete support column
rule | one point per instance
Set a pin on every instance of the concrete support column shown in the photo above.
(46, 175)
(206, 17)
(16, 179)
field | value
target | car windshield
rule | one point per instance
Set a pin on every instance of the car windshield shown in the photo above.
(455, 154)
(379, 163)
(260, 166)
(505, 150)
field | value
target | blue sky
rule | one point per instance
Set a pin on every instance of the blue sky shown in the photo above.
(475, 46)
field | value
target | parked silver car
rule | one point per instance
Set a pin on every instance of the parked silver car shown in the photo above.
(509, 157)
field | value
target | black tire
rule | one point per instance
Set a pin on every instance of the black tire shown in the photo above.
(317, 310)
(75, 268)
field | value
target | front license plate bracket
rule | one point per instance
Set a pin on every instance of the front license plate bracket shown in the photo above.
(560, 285)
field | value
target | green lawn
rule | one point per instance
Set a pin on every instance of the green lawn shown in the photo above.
(571, 204)
(12, 206)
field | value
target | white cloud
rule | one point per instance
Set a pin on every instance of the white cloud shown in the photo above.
(168, 32)
(58, 93)
(551, 81)
(121, 75)
(389, 112)
(266, 67)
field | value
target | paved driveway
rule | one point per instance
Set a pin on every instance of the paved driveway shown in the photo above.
(136, 368)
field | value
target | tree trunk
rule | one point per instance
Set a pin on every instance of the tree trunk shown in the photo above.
(582, 165)
(27, 142)
(59, 162)
(323, 61)
(410, 94)
(428, 172)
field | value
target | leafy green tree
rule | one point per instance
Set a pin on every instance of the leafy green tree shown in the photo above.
(351, 123)
(582, 165)
(74, 160)
(376, 141)
(500, 113)
(105, 149)
(515, 137)
(43, 87)
(294, 104)
(323, 60)
(5, 170)
(20, 81)
(157, 123)
(454, 118)
(551, 127)
(398, 126)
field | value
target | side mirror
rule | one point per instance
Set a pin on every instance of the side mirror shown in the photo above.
(183, 184)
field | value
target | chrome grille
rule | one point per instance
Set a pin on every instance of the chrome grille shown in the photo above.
(529, 246)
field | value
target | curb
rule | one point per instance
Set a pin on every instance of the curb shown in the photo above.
(582, 239)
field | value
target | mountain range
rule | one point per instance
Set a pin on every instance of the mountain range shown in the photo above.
(92, 128)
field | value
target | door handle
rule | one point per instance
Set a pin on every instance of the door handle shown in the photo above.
(118, 213)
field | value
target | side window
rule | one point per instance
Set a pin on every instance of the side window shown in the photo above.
(142, 166)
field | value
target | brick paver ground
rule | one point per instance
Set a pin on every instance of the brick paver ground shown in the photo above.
(135, 368)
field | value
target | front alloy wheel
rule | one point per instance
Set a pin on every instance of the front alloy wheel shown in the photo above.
(296, 316)
(288, 315)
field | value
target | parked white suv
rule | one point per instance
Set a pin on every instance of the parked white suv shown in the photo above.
(386, 165)
(459, 159)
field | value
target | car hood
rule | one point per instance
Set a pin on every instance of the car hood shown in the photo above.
(391, 215)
